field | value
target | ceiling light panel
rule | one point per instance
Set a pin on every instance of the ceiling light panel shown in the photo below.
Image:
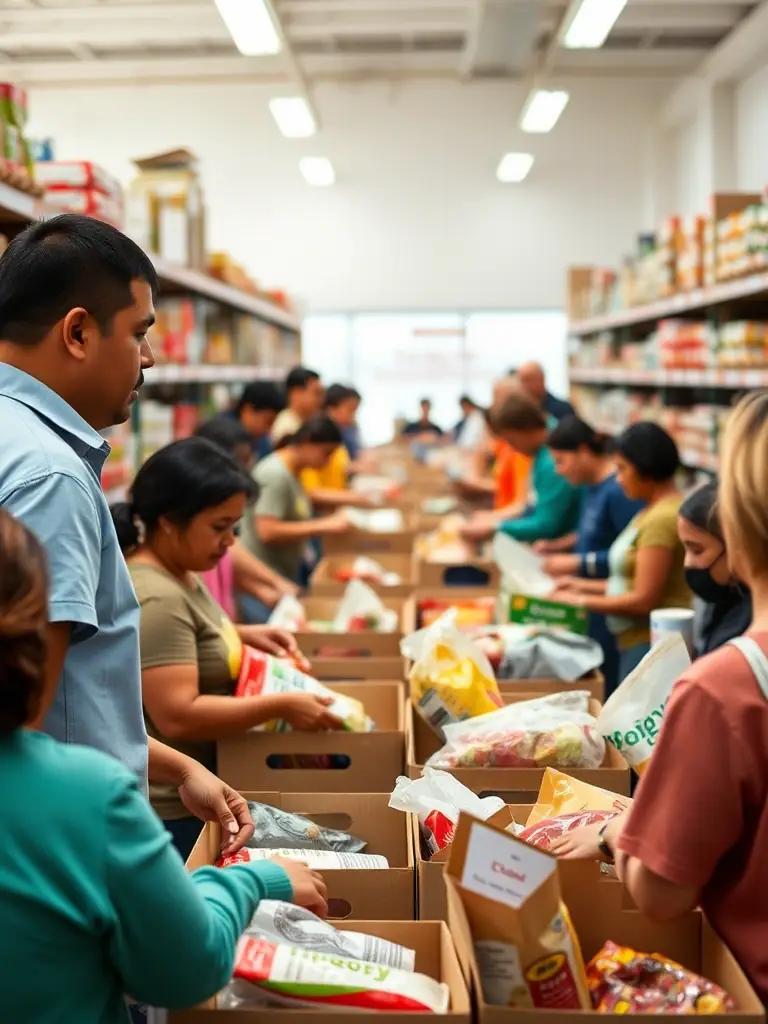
(514, 168)
(250, 24)
(293, 117)
(317, 171)
(591, 23)
(542, 110)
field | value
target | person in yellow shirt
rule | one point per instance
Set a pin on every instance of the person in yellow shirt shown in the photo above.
(328, 487)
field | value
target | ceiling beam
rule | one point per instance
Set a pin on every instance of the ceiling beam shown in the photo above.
(114, 12)
(299, 32)
(297, 8)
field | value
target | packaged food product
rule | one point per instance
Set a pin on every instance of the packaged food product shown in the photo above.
(526, 948)
(362, 608)
(285, 922)
(624, 981)
(318, 860)
(560, 795)
(436, 799)
(452, 680)
(555, 730)
(288, 614)
(470, 612)
(444, 544)
(261, 674)
(544, 832)
(290, 976)
(275, 828)
(631, 717)
(369, 571)
(379, 520)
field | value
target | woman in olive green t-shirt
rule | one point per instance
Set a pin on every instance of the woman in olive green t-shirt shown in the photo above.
(646, 568)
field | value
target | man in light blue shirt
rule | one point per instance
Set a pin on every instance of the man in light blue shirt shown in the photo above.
(76, 301)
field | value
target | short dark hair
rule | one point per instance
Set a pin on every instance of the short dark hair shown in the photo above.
(59, 264)
(517, 412)
(178, 482)
(700, 509)
(299, 377)
(225, 432)
(318, 429)
(425, 401)
(571, 433)
(650, 449)
(23, 616)
(261, 396)
(336, 394)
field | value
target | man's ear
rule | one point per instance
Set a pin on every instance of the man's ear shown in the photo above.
(75, 330)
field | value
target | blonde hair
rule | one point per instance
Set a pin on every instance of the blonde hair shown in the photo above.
(743, 494)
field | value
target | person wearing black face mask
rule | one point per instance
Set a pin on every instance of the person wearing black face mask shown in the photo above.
(728, 604)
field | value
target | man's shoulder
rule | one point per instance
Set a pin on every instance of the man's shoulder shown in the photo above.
(31, 450)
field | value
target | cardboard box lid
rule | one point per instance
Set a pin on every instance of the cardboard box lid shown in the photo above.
(169, 160)
(358, 670)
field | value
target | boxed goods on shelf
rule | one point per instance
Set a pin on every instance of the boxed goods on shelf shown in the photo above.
(164, 208)
(690, 253)
(89, 202)
(16, 166)
(743, 344)
(359, 761)
(79, 186)
(686, 345)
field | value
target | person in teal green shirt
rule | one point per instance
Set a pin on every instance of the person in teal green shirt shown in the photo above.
(94, 900)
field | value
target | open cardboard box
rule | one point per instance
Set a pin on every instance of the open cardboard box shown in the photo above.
(412, 616)
(599, 912)
(358, 669)
(593, 682)
(483, 572)
(435, 956)
(325, 584)
(374, 759)
(361, 542)
(352, 893)
(363, 643)
(513, 785)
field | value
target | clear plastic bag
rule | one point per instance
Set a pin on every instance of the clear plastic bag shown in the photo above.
(288, 614)
(554, 731)
(276, 829)
(362, 608)
(544, 832)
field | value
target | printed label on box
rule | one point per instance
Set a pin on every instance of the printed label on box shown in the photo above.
(501, 869)
(532, 610)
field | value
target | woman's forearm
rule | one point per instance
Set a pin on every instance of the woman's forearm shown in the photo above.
(279, 532)
(251, 572)
(633, 603)
(210, 717)
(166, 764)
(333, 498)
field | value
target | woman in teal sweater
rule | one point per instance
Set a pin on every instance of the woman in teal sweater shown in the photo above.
(94, 900)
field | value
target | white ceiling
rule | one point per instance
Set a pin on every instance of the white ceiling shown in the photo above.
(49, 41)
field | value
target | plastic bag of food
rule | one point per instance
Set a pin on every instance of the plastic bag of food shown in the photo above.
(444, 544)
(560, 794)
(369, 571)
(285, 922)
(318, 860)
(275, 828)
(437, 799)
(288, 614)
(470, 612)
(283, 975)
(379, 520)
(521, 568)
(631, 717)
(362, 608)
(261, 674)
(555, 730)
(544, 832)
(452, 679)
(623, 981)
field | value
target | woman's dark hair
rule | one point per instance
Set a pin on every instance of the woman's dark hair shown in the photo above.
(225, 432)
(261, 396)
(650, 449)
(178, 482)
(700, 509)
(317, 430)
(23, 617)
(516, 412)
(571, 433)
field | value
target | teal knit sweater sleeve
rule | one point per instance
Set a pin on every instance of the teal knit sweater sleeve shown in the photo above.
(173, 934)
(556, 510)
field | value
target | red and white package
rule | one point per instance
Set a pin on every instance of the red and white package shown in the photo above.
(437, 799)
(80, 174)
(545, 832)
(87, 201)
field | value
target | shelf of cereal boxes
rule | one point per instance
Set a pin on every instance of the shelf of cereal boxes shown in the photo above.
(205, 373)
(721, 378)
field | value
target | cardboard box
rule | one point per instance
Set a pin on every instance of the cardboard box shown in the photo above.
(439, 574)
(324, 583)
(448, 595)
(513, 785)
(360, 542)
(353, 893)
(435, 956)
(362, 643)
(375, 759)
(358, 670)
(594, 682)
(598, 912)
(164, 208)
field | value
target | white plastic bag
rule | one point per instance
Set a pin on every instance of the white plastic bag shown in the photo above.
(437, 799)
(362, 608)
(288, 614)
(379, 520)
(554, 731)
(631, 717)
(521, 568)
(412, 646)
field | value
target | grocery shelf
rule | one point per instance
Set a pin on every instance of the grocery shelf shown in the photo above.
(686, 302)
(733, 379)
(209, 374)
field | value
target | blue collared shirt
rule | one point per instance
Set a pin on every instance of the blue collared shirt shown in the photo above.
(50, 467)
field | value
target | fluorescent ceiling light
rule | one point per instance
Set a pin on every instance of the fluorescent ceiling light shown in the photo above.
(250, 24)
(294, 117)
(542, 110)
(317, 171)
(514, 168)
(591, 23)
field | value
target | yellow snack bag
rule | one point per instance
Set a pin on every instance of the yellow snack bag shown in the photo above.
(561, 794)
(452, 679)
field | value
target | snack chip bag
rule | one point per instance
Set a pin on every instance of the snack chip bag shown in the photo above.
(292, 976)
(288, 614)
(261, 674)
(561, 795)
(452, 679)
(362, 608)
(526, 948)
(623, 981)
(275, 828)
(436, 799)
(631, 717)
(318, 860)
(551, 731)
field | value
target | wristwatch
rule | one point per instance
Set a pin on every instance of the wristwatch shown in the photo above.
(603, 846)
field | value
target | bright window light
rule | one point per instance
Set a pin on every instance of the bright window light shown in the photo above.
(514, 168)
(542, 110)
(317, 171)
(293, 116)
(591, 23)
(250, 25)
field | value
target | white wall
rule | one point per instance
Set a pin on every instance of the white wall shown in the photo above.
(417, 220)
(752, 131)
